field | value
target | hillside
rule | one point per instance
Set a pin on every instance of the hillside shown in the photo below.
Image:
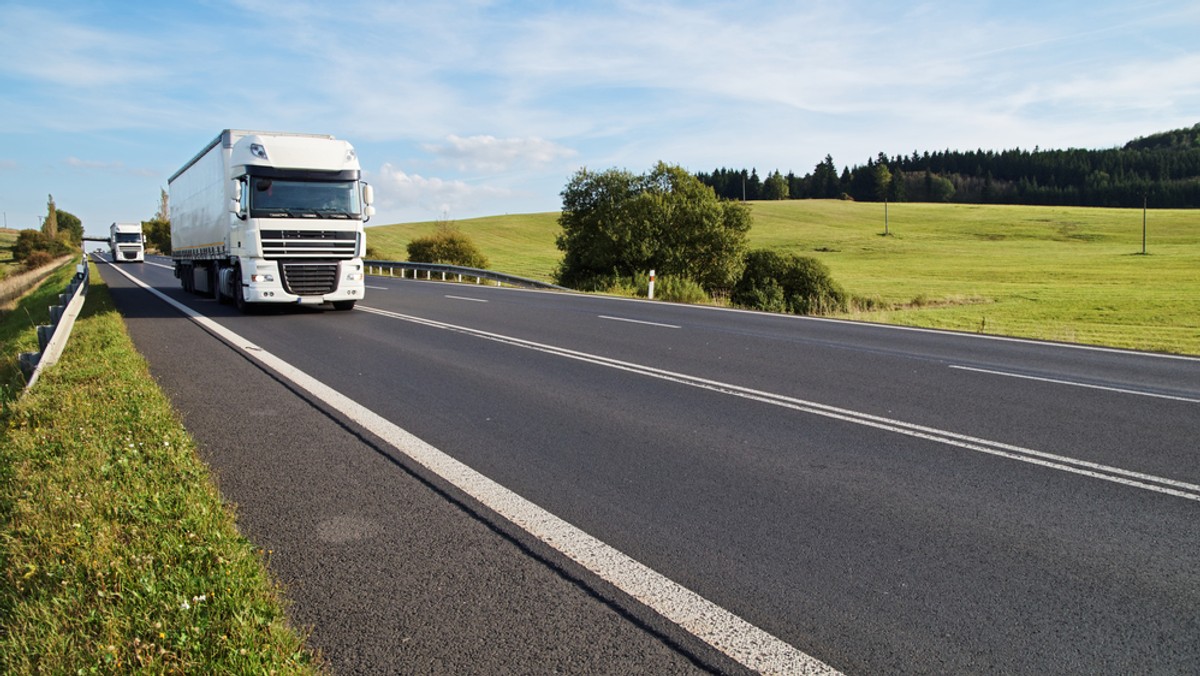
(1057, 273)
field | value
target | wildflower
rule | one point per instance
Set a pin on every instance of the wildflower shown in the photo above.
(185, 605)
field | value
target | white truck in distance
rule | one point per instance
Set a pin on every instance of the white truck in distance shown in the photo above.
(271, 217)
(126, 242)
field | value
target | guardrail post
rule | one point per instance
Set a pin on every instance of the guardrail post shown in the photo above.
(29, 362)
(44, 333)
(56, 314)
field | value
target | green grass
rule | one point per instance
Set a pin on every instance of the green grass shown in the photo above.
(7, 264)
(1057, 273)
(521, 245)
(116, 551)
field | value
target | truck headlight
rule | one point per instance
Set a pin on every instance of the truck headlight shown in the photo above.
(262, 278)
(354, 277)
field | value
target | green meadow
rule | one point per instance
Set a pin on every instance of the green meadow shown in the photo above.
(1070, 274)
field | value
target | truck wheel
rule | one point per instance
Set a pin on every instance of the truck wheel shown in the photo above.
(239, 293)
(343, 305)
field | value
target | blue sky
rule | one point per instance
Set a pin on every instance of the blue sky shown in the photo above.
(463, 108)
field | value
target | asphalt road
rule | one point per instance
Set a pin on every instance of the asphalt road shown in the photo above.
(883, 500)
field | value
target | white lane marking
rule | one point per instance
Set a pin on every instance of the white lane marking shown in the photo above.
(160, 265)
(380, 288)
(744, 642)
(1073, 383)
(1063, 463)
(473, 300)
(639, 321)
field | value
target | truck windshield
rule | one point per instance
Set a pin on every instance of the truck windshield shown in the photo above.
(276, 198)
(129, 237)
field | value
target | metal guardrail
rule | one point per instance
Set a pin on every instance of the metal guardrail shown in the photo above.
(52, 338)
(458, 272)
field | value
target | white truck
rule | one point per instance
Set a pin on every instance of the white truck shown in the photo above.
(271, 217)
(126, 242)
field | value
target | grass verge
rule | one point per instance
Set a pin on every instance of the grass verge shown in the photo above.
(1071, 274)
(117, 553)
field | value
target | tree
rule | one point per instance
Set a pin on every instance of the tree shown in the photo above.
(825, 180)
(616, 225)
(775, 187)
(157, 230)
(50, 225)
(70, 228)
(882, 181)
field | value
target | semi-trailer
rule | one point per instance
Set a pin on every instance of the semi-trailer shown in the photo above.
(126, 242)
(271, 217)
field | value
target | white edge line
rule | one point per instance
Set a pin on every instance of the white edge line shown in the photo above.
(742, 641)
(1073, 383)
(639, 321)
(473, 300)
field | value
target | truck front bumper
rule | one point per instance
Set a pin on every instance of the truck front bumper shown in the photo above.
(303, 282)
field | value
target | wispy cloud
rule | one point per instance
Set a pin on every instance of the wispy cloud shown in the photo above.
(94, 166)
(397, 189)
(488, 153)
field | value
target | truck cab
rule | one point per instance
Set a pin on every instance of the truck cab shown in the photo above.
(127, 243)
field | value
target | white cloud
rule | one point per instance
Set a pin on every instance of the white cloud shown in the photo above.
(488, 153)
(401, 191)
(108, 167)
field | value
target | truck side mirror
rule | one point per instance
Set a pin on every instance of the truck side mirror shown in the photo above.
(368, 194)
(235, 204)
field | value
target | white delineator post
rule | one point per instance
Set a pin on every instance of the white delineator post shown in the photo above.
(650, 293)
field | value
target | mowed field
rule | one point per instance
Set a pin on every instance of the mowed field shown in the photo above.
(1057, 273)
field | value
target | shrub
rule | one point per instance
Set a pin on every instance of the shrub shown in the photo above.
(37, 259)
(778, 282)
(32, 241)
(680, 290)
(448, 246)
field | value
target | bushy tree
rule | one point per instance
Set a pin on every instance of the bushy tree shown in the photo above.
(778, 282)
(775, 187)
(70, 228)
(448, 246)
(157, 230)
(616, 225)
(158, 235)
(31, 241)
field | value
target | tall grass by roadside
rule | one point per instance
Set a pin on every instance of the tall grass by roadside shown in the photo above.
(116, 552)
(1072, 274)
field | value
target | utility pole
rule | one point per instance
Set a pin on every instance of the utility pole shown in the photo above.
(1143, 224)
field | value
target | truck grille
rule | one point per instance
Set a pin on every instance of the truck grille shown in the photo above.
(310, 279)
(308, 244)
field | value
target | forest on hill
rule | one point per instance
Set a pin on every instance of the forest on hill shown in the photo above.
(1161, 170)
